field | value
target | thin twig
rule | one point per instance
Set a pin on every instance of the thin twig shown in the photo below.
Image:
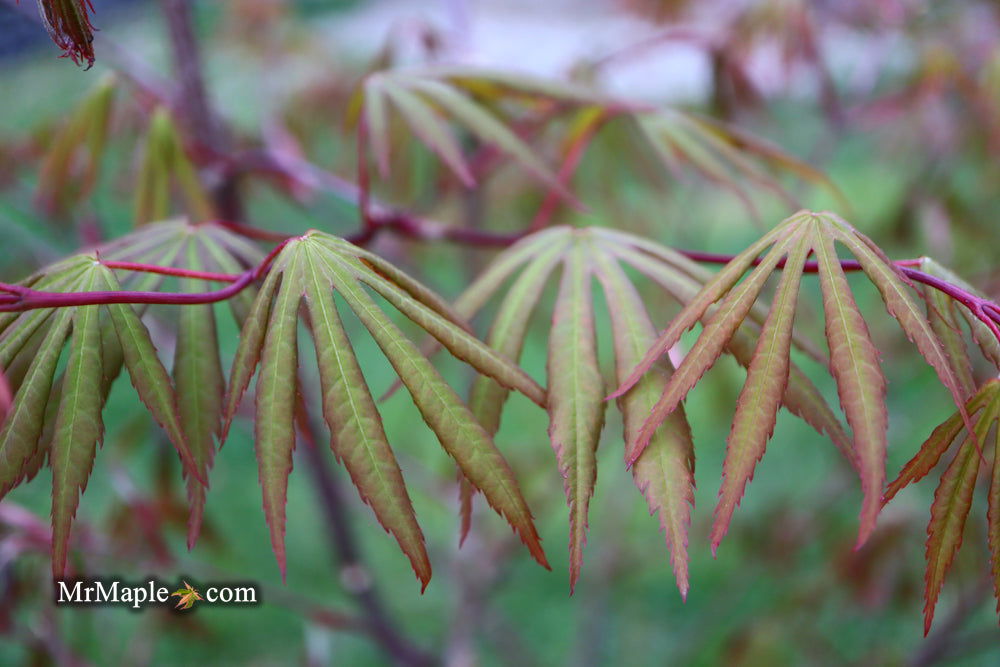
(20, 298)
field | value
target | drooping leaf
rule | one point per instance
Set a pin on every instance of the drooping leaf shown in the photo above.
(72, 162)
(165, 164)
(693, 311)
(68, 24)
(149, 377)
(949, 511)
(993, 519)
(943, 317)
(576, 405)
(718, 330)
(854, 363)
(23, 426)
(430, 128)
(766, 384)
(981, 333)
(357, 436)
(893, 287)
(940, 440)
(802, 398)
(78, 424)
(454, 337)
(200, 386)
(461, 436)
(249, 350)
(274, 425)
(664, 473)
(425, 99)
(508, 331)
(507, 335)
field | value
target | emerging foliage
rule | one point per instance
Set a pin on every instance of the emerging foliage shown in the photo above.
(853, 357)
(953, 497)
(310, 269)
(57, 415)
(664, 472)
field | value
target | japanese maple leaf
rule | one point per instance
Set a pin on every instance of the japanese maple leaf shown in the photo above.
(188, 596)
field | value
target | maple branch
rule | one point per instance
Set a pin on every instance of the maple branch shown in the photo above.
(20, 298)
(192, 98)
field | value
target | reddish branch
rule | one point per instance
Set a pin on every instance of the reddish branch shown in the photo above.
(15, 298)
(984, 309)
(19, 298)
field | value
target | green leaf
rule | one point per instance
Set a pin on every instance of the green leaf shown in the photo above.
(274, 424)
(431, 130)
(664, 473)
(200, 386)
(718, 331)
(488, 129)
(377, 122)
(357, 436)
(766, 384)
(508, 331)
(943, 318)
(950, 509)
(993, 519)
(149, 377)
(893, 286)
(576, 393)
(461, 436)
(502, 267)
(78, 424)
(713, 290)
(981, 333)
(23, 427)
(456, 339)
(507, 334)
(801, 398)
(854, 364)
(939, 441)
(248, 352)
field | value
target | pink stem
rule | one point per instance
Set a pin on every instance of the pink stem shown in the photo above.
(29, 299)
(172, 271)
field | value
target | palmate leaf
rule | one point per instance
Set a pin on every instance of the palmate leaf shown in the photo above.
(428, 99)
(853, 358)
(801, 398)
(312, 267)
(57, 416)
(953, 497)
(69, 171)
(165, 164)
(722, 154)
(72, 408)
(665, 476)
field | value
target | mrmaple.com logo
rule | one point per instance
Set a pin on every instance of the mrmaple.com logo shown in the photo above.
(152, 592)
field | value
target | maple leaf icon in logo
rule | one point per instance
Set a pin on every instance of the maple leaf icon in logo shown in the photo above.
(188, 596)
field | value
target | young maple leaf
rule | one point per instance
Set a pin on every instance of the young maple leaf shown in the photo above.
(68, 23)
(188, 596)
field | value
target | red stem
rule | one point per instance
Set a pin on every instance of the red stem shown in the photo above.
(23, 298)
(173, 271)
